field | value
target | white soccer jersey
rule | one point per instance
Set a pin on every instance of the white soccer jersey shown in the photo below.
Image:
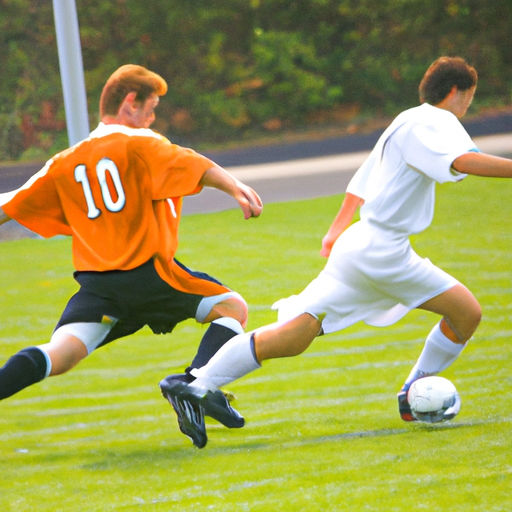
(397, 181)
(373, 274)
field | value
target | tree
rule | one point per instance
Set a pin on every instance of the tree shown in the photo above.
(240, 67)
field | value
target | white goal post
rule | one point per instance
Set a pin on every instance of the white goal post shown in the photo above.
(71, 69)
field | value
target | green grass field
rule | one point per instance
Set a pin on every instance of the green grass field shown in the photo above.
(322, 432)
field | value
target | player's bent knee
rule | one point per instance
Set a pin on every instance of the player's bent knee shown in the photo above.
(71, 343)
(477, 318)
(467, 326)
(230, 304)
(473, 318)
(90, 334)
(236, 308)
(64, 357)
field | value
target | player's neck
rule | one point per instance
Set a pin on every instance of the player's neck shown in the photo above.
(457, 101)
(110, 120)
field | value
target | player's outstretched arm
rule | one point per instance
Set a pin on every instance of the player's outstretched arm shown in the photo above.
(341, 222)
(482, 164)
(249, 201)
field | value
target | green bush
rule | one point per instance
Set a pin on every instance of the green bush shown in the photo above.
(237, 67)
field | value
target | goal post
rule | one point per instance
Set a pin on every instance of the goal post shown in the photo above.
(71, 69)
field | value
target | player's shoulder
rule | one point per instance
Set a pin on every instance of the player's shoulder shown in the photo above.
(427, 119)
(112, 136)
(429, 114)
(145, 142)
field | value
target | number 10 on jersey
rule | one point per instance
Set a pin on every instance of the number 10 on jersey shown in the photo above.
(104, 166)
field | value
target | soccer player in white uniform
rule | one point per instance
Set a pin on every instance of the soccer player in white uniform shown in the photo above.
(372, 273)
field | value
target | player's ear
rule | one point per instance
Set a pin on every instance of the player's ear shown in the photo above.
(130, 99)
(128, 105)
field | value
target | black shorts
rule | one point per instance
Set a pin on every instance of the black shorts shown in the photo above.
(134, 298)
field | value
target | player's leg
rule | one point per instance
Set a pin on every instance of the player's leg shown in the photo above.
(461, 314)
(209, 302)
(65, 352)
(240, 356)
(460, 310)
(23, 369)
(286, 339)
(227, 316)
(245, 353)
(76, 335)
(68, 345)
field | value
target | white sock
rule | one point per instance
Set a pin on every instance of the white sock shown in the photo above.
(234, 360)
(230, 323)
(438, 353)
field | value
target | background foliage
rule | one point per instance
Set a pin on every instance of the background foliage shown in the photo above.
(239, 68)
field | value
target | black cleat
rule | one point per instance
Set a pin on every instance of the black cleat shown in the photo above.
(213, 403)
(190, 416)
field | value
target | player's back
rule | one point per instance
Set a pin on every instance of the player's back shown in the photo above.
(105, 190)
(110, 192)
(99, 192)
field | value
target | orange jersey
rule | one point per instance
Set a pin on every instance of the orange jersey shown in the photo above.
(117, 194)
(168, 215)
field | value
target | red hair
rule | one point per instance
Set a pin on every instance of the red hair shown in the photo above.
(126, 79)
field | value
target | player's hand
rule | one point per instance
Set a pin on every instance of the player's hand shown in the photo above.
(327, 243)
(249, 201)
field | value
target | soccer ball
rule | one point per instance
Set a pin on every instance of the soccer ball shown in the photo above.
(433, 399)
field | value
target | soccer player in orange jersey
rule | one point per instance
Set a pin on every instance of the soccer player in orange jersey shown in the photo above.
(118, 194)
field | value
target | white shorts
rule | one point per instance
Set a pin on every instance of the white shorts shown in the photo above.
(371, 276)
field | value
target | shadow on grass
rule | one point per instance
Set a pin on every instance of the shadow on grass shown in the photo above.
(386, 432)
(111, 459)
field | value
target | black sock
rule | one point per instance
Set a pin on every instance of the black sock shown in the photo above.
(23, 369)
(215, 336)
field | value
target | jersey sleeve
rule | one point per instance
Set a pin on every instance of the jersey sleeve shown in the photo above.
(175, 171)
(36, 205)
(357, 185)
(431, 148)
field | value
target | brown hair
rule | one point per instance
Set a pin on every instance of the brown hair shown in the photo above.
(442, 75)
(126, 79)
